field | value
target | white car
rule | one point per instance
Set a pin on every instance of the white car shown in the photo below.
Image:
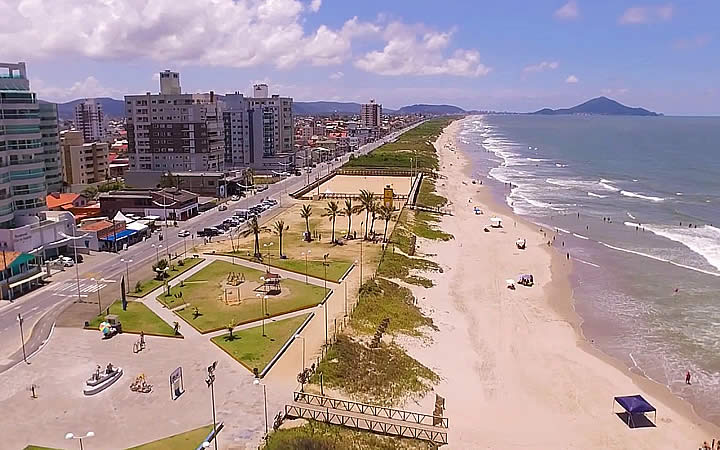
(235, 198)
(183, 233)
(66, 261)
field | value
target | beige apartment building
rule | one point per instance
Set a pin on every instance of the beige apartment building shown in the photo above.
(83, 163)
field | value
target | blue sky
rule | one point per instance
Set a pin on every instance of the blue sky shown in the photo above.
(512, 55)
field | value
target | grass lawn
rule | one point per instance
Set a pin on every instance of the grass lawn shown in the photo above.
(250, 348)
(188, 440)
(148, 286)
(205, 290)
(315, 267)
(415, 143)
(137, 318)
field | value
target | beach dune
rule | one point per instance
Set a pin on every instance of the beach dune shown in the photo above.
(516, 371)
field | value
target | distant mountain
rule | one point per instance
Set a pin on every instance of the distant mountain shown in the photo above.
(600, 106)
(115, 109)
(430, 109)
(325, 108)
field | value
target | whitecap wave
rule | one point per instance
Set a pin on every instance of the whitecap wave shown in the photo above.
(657, 258)
(607, 185)
(705, 240)
(592, 194)
(586, 262)
(642, 196)
(630, 216)
(560, 165)
(580, 236)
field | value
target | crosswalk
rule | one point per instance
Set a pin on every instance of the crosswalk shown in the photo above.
(69, 288)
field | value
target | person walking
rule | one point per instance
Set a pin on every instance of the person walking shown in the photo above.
(687, 377)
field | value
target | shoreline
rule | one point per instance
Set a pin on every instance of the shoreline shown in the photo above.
(678, 425)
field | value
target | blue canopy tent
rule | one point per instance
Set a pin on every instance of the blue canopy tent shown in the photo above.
(635, 404)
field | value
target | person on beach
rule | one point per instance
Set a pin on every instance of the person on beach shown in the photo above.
(687, 377)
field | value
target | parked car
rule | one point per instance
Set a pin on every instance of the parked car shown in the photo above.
(183, 233)
(235, 198)
(222, 207)
(67, 261)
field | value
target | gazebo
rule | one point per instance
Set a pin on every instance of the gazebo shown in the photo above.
(633, 405)
(271, 283)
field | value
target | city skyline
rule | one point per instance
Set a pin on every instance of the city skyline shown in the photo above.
(654, 54)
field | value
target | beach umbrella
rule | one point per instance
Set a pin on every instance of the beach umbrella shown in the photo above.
(105, 328)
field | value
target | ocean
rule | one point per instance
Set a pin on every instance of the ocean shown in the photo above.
(635, 201)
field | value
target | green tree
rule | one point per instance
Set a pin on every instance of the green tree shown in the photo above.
(348, 211)
(280, 228)
(256, 229)
(385, 213)
(373, 217)
(305, 213)
(332, 210)
(367, 202)
(159, 268)
(90, 192)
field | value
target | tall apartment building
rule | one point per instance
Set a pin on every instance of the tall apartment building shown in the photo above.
(258, 130)
(371, 115)
(173, 132)
(51, 146)
(83, 162)
(90, 120)
(22, 162)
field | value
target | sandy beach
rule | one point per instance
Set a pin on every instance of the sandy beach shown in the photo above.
(516, 371)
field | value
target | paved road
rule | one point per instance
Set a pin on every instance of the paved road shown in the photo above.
(41, 307)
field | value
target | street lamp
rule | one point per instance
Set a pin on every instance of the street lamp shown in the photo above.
(263, 308)
(22, 336)
(325, 266)
(127, 271)
(297, 336)
(157, 251)
(165, 205)
(257, 382)
(97, 288)
(77, 270)
(305, 254)
(210, 380)
(80, 438)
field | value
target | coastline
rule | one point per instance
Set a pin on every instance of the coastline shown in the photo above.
(577, 382)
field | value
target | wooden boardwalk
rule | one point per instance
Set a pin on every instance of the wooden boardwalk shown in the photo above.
(362, 416)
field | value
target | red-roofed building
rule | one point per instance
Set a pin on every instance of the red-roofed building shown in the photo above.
(58, 201)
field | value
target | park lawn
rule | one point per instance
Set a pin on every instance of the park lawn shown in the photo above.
(189, 440)
(137, 318)
(148, 286)
(252, 349)
(315, 268)
(204, 291)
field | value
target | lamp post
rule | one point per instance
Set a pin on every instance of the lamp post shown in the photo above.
(97, 288)
(77, 271)
(5, 272)
(263, 308)
(185, 245)
(80, 438)
(325, 266)
(22, 336)
(127, 271)
(165, 205)
(210, 380)
(306, 264)
(157, 251)
(267, 245)
(345, 283)
(297, 336)
(257, 382)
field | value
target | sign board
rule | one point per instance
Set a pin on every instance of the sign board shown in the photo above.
(123, 295)
(176, 383)
(388, 196)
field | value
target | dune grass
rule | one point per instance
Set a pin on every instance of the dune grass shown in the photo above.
(188, 440)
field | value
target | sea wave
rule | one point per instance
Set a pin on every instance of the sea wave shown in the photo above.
(586, 262)
(642, 196)
(580, 236)
(560, 165)
(607, 185)
(630, 215)
(705, 240)
(657, 258)
(592, 194)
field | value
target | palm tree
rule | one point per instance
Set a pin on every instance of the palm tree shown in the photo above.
(367, 200)
(256, 229)
(280, 228)
(386, 213)
(332, 211)
(305, 213)
(373, 216)
(348, 211)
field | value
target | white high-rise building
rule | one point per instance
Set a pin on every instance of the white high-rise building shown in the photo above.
(90, 120)
(258, 130)
(371, 115)
(174, 132)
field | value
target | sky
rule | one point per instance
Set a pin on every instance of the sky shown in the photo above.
(506, 56)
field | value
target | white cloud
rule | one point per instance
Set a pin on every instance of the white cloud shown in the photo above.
(231, 33)
(568, 11)
(646, 14)
(415, 50)
(88, 88)
(542, 66)
(315, 5)
(336, 75)
(692, 43)
(572, 79)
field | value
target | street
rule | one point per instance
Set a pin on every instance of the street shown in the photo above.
(40, 308)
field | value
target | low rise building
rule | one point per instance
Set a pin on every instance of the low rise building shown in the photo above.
(19, 273)
(173, 204)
